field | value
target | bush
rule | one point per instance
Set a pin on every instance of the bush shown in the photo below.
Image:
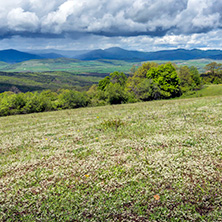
(11, 103)
(166, 78)
(115, 94)
(69, 99)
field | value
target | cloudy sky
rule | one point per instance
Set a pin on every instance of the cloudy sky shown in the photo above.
(146, 25)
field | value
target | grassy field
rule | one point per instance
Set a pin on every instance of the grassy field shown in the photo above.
(69, 65)
(86, 67)
(154, 161)
(208, 90)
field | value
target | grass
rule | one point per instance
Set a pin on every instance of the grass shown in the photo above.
(95, 66)
(68, 65)
(154, 161)
(208, 90)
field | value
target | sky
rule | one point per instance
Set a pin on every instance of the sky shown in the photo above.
(145, 25)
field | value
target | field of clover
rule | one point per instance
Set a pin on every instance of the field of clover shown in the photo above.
(153, 161)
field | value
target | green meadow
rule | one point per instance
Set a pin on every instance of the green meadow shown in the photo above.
(94, 66)
(207, 90)
(68, 65)
(150, 161)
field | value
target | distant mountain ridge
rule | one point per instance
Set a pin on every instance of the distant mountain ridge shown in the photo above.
(114, 53)
(15, 56)
(178, 54)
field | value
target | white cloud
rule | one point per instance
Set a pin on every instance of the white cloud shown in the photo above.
(19, 20)
(124, 17)
(161, 22)
(211, 40)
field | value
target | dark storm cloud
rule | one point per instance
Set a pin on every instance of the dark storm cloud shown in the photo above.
(109, 18)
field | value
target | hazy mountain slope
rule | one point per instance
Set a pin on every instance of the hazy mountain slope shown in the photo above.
(14, 56)
(178, 54)
(114, 53)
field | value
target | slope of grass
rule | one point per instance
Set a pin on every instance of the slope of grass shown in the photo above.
(208, 90)
(154, 161)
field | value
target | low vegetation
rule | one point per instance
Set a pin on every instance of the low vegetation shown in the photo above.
(38, 81)
(150, 81)
(152, 161)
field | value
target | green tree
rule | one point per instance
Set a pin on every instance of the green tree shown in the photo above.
(166, 78)
(213, 73)
(213, 68)
(69, 99)
(195, 76)
(139, 77)
(116, 94)
(103, 83)
(185, 78)
(117, 77)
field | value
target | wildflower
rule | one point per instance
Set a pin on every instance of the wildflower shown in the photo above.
(97, 138)
(97, 117)
(86, 175)
(156, 197)
(46, 139)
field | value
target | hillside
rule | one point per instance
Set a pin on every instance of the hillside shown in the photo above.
(14, 56)
(37, 81)
(69, 65)
(68, 73)
(154, 161)
(91, 66)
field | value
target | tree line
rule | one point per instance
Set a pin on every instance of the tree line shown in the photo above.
(150, 81)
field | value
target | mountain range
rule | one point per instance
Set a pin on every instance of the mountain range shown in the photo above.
(114, 53)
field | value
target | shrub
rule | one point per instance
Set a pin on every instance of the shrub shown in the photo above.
(69, 99)
(115, 94)
(112, 123)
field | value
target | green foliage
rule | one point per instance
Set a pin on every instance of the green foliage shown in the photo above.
(141, 72)
(103, 83)
(119, 78)
(22, 103)
(113, 87)
(115, 94)
(195, 76)
(112, 123)
(166, 78)
(38, 81)
(139, 86)
(213, 73)
(146, 90)
(72, 99)
(153, 81)
(143, 90)
(189, 78)
(185, 76)
(207, 90)
(150, 81)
